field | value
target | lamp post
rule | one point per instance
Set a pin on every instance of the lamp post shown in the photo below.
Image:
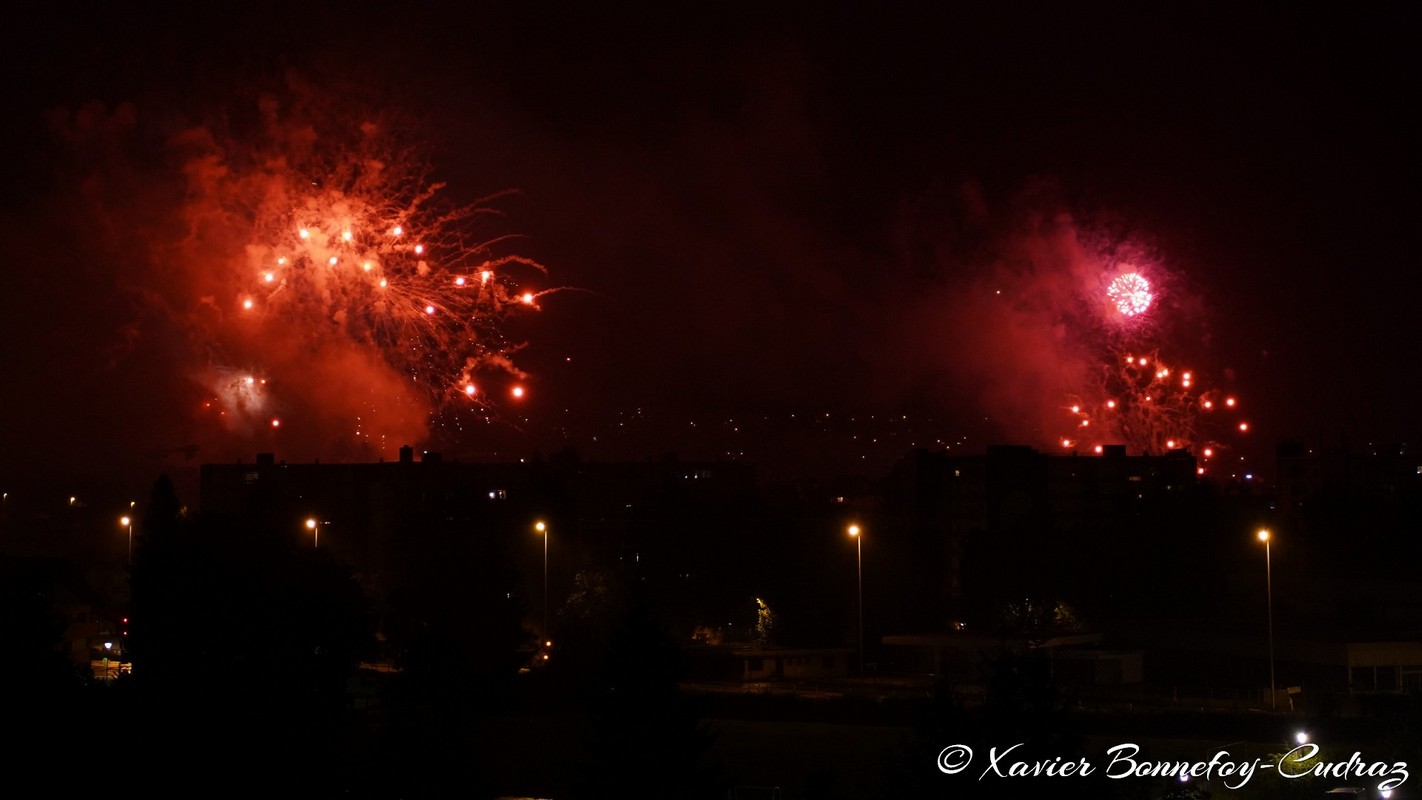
(315, 528)
(127, 522)
(854, 531)
(1269, 589)
(543, 530)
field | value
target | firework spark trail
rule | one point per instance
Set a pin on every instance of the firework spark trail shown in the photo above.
(432, 305)
(1150, 407)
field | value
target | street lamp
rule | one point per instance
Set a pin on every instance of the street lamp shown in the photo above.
(1269, 588)
(127, 522)
(854, 532)
(315, 528)
(543, 529)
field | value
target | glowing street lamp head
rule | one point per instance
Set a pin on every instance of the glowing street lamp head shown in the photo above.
(311, 523)
(125, 521)
(1263, 534)
(540, 527)
(853, 530)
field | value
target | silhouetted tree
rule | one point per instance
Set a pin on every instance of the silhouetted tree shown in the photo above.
(243, 644)
(585, 624)
(645, 737)
(1023, 704)
(40, 686)
(455, 630)
(172, 584)
(1035, 620)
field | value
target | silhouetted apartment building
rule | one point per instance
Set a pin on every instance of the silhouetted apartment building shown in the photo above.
(1376, 472)
(1026, 514)
(1011, 485)
(382, 518)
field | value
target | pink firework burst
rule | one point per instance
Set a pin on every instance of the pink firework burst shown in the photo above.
(1130, 293)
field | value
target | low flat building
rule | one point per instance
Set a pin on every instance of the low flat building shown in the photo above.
(773, 663)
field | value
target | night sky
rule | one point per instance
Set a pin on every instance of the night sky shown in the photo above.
(766, 214)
